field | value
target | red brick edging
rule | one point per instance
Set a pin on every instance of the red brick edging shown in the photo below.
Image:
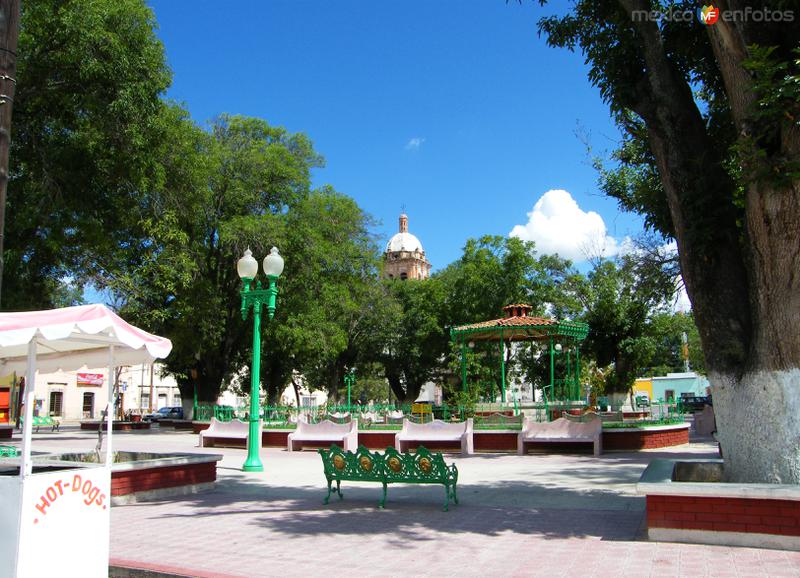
(749, 515)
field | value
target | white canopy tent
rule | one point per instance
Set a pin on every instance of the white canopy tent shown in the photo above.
(68, 339)
(63, 339)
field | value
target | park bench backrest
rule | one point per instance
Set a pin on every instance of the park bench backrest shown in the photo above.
(235, 427)
(591, 415)
(339, 418)
(359, 465)
(436, 426)
(391, 466)
(499, 419)
(326, 427)
(563, 427)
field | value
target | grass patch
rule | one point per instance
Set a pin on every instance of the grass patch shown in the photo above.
(640, 424)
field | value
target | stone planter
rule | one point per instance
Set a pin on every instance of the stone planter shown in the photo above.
(116, 425)
(139, 476)
(687, 502)
(645, 438)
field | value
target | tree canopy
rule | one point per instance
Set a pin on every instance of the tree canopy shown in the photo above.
(710, 154)
(87, 118)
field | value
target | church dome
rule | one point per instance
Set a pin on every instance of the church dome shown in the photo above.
(403, 242)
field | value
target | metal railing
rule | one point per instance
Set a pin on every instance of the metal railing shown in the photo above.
(368, 415)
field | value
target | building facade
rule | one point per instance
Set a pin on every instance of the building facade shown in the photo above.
(82, 395)
(404, 257)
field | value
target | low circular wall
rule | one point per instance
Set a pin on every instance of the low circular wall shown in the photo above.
(116, 426)
(645, 438)
(506, 441)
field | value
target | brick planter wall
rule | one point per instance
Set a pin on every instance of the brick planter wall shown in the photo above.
(645, 438)
(498, 441)
(176, 423)
(453, 446)
(198, 426)
(491, 441)
(377, 440)
(275, 438)
(115, 426)
(704, 510)
(751, 515)
(142, 480)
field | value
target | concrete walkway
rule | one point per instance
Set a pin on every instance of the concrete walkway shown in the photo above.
(537, 515)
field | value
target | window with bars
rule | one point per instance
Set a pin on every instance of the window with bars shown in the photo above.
(56, 403)
(88, 404)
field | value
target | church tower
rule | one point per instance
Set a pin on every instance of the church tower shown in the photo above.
(404, 257)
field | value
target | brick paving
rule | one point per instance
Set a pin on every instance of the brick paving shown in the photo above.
(529, 516)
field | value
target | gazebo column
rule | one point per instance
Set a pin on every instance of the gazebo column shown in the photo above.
(502, 369)
(552, 369)
(463, 365)
(568, 373)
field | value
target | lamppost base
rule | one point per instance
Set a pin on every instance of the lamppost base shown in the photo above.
(253, 467)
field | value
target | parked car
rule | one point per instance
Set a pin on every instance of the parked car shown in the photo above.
(642, 400)
(175, 412)
(693, 403)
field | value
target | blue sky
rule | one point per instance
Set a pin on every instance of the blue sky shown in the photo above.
(455, 109)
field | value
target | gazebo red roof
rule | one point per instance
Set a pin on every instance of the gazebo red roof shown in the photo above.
(518, 326)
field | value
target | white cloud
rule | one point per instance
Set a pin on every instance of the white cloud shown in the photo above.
(558, 225)
(413, 144)
(681, 302)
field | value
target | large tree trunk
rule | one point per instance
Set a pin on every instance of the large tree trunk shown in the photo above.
(744, 285)
(758, 425)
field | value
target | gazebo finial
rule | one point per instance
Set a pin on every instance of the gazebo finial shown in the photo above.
(517, 310)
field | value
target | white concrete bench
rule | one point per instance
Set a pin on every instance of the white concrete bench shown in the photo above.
(324, 431)
(562, 430)
(704, 422)
(225, 430)
(435, 431)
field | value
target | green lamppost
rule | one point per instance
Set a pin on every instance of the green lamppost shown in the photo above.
(349, 381)
(247, 267)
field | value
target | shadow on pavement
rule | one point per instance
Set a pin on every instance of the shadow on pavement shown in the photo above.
(414, 512)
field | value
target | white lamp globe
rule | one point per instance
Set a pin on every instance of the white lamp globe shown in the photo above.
(558, 347)
(247, 266)
(273, 263)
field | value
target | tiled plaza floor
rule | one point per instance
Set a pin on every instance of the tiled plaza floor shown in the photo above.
(537, 515)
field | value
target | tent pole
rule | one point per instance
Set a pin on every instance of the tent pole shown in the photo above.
(110, 410)
(26, 466)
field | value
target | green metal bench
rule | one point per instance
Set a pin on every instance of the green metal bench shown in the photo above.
(43, 421)
(389, 467)
(8, 452)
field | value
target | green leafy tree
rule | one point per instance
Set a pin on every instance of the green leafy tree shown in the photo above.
(666, 330)
(415, 351)
(333, 305)
(620, 301)
(710, 157)
(87, 115)
(229, 189)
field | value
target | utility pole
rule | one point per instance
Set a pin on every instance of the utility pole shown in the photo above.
(685, 351)
(9, 33)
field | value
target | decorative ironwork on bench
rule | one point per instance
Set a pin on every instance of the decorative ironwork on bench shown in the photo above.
(421, 467)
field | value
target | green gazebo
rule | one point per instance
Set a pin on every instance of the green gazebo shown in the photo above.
(517, 325)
